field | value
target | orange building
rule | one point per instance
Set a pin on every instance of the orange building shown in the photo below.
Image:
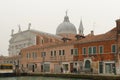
(48, 58)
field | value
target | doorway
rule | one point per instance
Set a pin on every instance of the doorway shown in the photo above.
(87, 64)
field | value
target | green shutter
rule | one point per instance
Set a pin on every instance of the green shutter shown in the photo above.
(113, 48)
(90, 50)
(84, 51)
(94, 50)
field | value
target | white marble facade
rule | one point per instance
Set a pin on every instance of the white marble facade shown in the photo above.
(21, 40)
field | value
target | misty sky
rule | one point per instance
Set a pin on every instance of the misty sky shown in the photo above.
(46, 15)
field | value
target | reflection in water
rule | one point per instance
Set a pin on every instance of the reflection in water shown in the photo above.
(37, 78)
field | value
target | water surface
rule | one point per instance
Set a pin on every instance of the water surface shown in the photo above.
(38, 78)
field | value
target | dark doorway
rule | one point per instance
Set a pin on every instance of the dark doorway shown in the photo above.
(41, 68)
(87, 64)
(33, 68)
(100, 67)
(71, 67)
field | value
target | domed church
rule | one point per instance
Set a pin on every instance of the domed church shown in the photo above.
(67, 29)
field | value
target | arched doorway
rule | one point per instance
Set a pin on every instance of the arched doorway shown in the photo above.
(87, 64)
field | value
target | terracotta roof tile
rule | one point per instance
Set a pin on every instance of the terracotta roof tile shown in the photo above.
(101, 37)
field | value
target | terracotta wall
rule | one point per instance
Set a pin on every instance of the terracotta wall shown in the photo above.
(48, 58)
(107, 55)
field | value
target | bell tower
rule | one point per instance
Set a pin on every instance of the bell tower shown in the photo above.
(81, 29)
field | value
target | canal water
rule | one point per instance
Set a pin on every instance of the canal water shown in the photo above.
(38, 78)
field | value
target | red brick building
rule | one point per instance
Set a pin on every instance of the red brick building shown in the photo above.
(100, 53)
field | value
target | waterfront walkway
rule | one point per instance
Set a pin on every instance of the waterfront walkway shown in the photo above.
(82, 76)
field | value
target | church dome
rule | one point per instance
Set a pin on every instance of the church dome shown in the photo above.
(66, 27)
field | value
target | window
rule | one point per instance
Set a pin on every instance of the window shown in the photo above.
(43, 54)
(71, 51)
(28, 55)
(51, 53)
(84, 50)
(42, 41)
(63, 53)
(59, 52)
(75, 64)
(27, 65)
(54, 53)
(113, 48)
(76, 52)
(90, 50)
(100, 49)
(34, 55)
(94, 50)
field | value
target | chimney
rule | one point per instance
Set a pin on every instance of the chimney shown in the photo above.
(92, 33)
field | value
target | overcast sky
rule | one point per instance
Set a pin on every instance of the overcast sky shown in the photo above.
(46, 15)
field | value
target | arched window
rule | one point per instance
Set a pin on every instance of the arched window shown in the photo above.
(87, 64)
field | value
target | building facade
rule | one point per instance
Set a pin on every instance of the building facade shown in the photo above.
(67, 51)
(49, 58)
(100, 53)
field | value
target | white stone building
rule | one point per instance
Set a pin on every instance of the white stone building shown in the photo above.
(24, 39)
